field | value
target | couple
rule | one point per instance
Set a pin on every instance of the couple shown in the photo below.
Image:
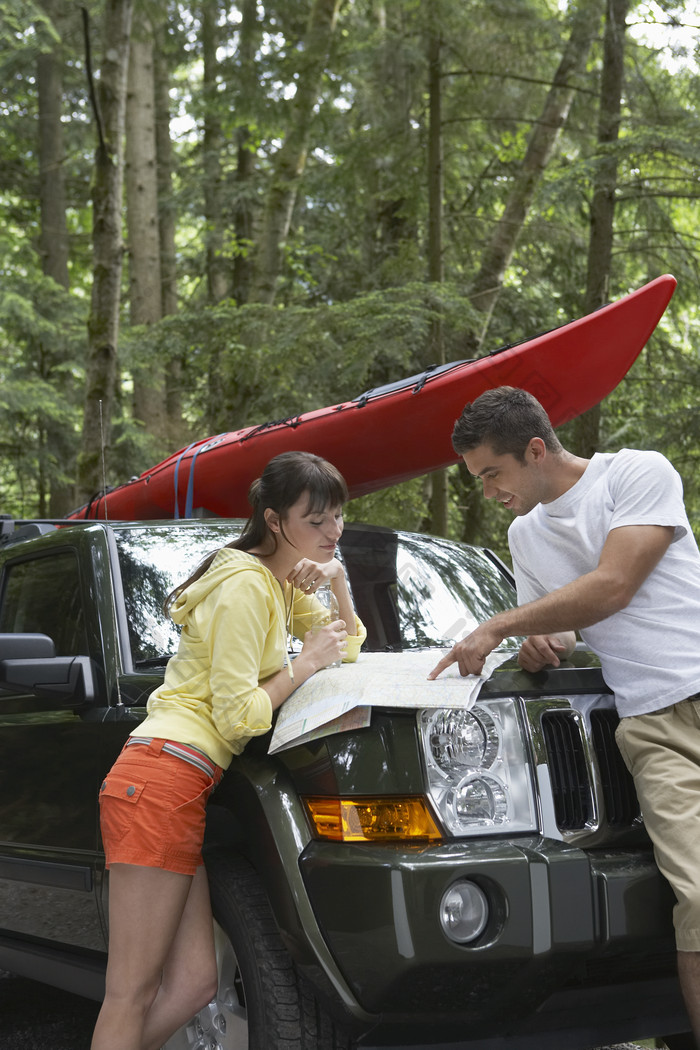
(601, 546)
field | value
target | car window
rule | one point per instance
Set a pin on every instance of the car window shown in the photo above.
(153, 561)
(25, 609)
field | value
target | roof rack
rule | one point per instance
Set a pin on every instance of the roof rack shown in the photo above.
(18, 530)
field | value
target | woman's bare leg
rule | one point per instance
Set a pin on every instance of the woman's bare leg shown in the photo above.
(145, 909)
(190, 976)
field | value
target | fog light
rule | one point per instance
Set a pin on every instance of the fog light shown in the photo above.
(464, 912)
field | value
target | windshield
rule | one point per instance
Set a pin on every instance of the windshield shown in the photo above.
(410, 590)
(446, 589)
(413, 590)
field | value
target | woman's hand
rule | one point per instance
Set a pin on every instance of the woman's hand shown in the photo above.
(308, 575)
(324, 646)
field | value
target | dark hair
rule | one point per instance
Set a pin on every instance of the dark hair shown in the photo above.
(506, 419)
(283, 482)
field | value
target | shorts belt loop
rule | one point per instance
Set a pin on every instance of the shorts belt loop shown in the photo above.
(155, 746)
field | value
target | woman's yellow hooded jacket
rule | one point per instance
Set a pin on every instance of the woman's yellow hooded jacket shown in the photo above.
(235, 619)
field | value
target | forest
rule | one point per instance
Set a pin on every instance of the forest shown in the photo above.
(216, 214)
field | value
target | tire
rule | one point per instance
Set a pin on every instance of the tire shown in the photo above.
(680, 1041)
(262, 1002)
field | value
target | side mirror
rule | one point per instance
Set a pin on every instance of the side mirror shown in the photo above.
(26, 647)
(28, 664)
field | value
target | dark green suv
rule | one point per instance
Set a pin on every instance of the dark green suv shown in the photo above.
(442, 877)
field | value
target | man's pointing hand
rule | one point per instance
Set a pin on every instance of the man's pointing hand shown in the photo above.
(471, 652)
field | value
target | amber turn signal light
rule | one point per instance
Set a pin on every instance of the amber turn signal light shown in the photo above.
(386, 819)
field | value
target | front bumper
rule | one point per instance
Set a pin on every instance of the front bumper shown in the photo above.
(567, 929)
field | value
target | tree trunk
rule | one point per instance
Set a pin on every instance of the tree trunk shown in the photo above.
(164, 167)
(388, 108)
(56, 495)
(243, 213)
(438, 499)
(217, 277)
(488, 283)
(290, 160)
(141, 185)
(103, 321)
(176, 426)
(586, 437)
(142, 220)
(53, 240)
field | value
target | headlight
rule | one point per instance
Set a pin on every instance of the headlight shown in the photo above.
(479, 774)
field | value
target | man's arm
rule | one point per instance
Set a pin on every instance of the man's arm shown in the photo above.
(629, 555)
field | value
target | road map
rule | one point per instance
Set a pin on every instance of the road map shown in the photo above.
(338, 699)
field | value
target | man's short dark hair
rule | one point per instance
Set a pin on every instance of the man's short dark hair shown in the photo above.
(506, 419)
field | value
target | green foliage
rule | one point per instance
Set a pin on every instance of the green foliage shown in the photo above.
(41, 345)
(353, 308)
(24, 23)
(249, 364)
(400, 507)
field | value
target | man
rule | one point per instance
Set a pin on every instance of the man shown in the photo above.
(604, 547)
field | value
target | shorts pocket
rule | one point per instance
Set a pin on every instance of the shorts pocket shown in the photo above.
(622, 744)
(119, 794)
(198, 796)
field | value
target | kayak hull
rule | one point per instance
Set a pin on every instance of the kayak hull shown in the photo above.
(403, 431)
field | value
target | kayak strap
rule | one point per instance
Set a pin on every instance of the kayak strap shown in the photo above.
(288, 421)
(176, 510)
(417, 381)
(189, 496)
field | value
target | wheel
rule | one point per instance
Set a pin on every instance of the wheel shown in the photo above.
(262, 1002)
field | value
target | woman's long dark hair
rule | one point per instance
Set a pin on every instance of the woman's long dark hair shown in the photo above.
(283, 482)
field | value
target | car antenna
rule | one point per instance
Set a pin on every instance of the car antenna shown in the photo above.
(104, 472)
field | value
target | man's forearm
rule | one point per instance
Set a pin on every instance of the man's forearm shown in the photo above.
(585, 601)
(578, 604)
(629, 555)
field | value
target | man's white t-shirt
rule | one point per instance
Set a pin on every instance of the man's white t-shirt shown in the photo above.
(649, 651)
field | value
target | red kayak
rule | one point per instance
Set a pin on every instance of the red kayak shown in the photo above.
(401, 430)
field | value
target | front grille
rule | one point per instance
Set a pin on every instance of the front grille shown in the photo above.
(571, 777)
(568, 770)
(621, 805)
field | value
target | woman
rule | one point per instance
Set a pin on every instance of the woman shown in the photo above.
(230, 673)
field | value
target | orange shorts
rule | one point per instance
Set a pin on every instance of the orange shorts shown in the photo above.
(152, 809)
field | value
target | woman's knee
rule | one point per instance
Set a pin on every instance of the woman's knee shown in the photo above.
(210, 988)
(133, 996)
(198, 989)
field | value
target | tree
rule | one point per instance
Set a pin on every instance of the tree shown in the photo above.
(54, 252)
(290, 160)
(167, 231)
(438, 480)
(486, 286)
(109, 101)
(600, 244)
(52, 189)
(144, 249)
(244, 189)
(326, 174)
(212, 144)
